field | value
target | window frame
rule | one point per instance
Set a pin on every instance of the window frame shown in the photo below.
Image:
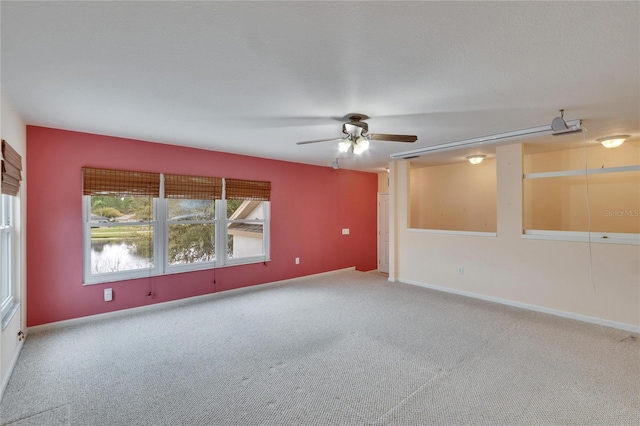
(195, 266)
(160, 225)
(89, 276)
(8, 272)
(266, 212)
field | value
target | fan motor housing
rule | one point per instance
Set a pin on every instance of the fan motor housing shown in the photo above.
(360, 124)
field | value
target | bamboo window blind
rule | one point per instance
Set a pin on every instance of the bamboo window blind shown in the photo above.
(129, 183)
(237, 189)
(120, 183)
(192, 187)
(11, 169)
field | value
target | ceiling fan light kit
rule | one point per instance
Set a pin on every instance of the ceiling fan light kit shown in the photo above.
(357, 139)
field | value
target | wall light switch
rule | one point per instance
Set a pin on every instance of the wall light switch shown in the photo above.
(297, 260)
(108, 295)
(345, 231)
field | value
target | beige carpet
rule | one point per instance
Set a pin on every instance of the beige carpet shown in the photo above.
(345, 349)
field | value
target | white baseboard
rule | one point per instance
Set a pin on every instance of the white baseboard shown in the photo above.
(14, 360)
(170, 303)
(536, 308)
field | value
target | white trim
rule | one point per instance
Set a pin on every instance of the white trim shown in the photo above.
(452, 232)
(12, 364)
(603, 170)
(583, 237)
(171, 303)
(379, 230)
(536, 308)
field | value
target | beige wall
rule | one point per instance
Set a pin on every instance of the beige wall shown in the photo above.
(559, 203)
(548, 275)
(14, 131)
(460, 197)
(383, 182)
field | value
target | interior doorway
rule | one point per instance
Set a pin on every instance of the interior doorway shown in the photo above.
(383, 232)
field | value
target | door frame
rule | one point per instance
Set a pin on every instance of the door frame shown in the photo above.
(380, 238)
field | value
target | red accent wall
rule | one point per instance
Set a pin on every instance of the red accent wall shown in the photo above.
(309, 207)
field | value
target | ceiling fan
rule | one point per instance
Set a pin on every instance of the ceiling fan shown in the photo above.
(357, 139)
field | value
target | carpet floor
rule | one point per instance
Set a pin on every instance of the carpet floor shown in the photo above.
(349, 348)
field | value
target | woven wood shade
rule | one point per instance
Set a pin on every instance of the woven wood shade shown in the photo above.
(192, 187)
(237, 189)
(121, 183)
(11, 169)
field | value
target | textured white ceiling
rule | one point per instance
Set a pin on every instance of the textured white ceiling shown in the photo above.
(256, 77)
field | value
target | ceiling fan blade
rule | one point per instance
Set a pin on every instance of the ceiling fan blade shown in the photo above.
(392, 138)
(319, 140)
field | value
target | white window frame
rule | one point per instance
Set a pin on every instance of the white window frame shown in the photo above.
(8, 276)
(160, 225)
(224, 226)
(90, 277)
(195, 266)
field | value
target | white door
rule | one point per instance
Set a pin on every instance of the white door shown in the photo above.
(383, 233)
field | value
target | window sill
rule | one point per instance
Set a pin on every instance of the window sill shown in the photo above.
(452, 232)
(8, 315)
(583, 237)
(170, 271)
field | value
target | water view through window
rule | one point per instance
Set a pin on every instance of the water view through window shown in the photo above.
(121, 248)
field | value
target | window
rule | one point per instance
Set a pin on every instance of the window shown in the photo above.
(191, 231)
(247, 214)
(132, 232)
(245, 229)
(190, 206)
(11, 171)
(122, 234)
(6, 270)
(121, 224)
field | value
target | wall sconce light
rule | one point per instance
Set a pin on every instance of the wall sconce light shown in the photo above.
(613, 141)
(476, 159)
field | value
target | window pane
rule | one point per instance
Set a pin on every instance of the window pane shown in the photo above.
(121, 209)
(5, 266)
(244, 239)
(121, 248)
(245, 209)
(190, 209)
(191, 243)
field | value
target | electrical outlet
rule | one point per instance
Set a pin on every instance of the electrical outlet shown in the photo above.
(297, 260)
(460, 270)
(108, 295)
(345, 231)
